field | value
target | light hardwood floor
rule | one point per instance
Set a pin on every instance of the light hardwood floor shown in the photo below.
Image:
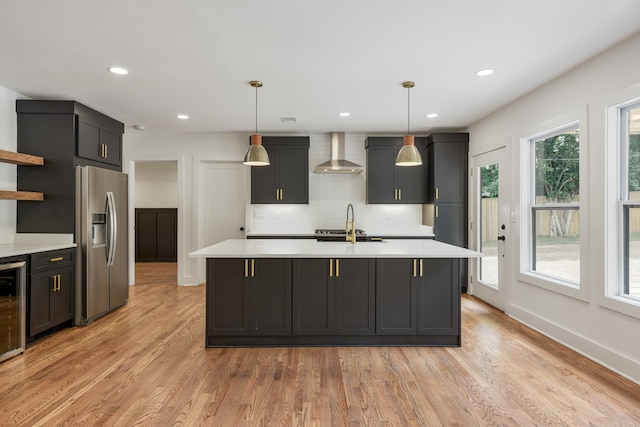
(146, 364)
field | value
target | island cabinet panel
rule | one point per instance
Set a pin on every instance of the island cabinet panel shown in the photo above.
(249, 297)
(418, 296)
(286, 179)
(439, 297)
(396, 297)
(334, 296)
(332, 301)
(391, 184)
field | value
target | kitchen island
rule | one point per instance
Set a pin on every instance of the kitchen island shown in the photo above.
(291, 292)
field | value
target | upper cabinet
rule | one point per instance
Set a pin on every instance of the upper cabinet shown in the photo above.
(391, 184)
(100, 143)
(286, 179)
(66, 134)
(447, 154)
(91, 137)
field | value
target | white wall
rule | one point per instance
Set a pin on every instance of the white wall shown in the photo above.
(605, 335)
(156, 184)
(8, 142)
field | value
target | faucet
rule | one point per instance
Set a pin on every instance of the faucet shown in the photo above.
(351, 238)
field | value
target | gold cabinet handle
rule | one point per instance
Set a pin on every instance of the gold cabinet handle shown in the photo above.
(421, 275)
(337, 268)
(395, 195)
(277, 194)
(56, 283)
(59, 281)
(246, 268)
(414, 268)
(436, 212)
(106, 151)
(281, 194)
(330, 268)
(399, 193)
(56, 259)
(253, 268)
(437, 193)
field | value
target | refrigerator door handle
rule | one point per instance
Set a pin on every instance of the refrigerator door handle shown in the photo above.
(112, 228)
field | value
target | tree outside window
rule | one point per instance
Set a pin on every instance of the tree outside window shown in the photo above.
(555, 209)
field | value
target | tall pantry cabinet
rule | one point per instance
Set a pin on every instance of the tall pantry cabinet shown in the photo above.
(447, 196)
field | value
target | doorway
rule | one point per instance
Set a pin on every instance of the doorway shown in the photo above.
(491, 175)
(156, 211)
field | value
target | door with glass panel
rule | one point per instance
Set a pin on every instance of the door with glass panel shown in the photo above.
(490, 227)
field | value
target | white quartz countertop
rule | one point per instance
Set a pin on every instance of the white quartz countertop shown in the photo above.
(16, 249)
(307, 248)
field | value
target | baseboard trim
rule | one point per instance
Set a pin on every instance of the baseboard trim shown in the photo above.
(611, 360)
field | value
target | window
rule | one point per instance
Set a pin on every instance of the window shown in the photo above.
(629, 119)
(554, 219)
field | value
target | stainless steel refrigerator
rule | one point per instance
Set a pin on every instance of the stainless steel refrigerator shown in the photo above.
(101, 234)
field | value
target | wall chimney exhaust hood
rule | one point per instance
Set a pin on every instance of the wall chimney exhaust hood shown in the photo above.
(337, 162)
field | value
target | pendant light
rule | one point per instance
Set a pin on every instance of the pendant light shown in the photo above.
(256, 155)
(408, 154)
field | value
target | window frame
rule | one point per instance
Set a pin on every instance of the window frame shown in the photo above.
(526, 274)
(618, 206)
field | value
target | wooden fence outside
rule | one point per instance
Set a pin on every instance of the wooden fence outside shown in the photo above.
(490, 226)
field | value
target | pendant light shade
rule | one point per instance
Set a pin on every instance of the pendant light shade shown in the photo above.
(408, 154)
(256, 155)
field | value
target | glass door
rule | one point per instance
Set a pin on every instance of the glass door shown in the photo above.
(491, 225)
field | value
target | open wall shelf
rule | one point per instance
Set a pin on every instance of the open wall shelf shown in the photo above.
(23, 160)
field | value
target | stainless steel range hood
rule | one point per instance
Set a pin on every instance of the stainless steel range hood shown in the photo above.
(337, 162)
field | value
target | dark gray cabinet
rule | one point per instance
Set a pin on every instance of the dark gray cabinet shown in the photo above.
(417, 296)
(286, 179)
(334, 296)
(248, 297)
(50, 291)
(156, 235)
(391, 184)
(99, 143)
(65, 134)
(338, 301)
(448, 190)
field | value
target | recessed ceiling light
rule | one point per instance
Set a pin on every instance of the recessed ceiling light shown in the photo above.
(484, 73)
(345, 114)
(182, 116)
(119, 70)
(288, 119)
(431, 115)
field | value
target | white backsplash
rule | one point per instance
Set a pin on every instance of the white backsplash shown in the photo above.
(329, 195)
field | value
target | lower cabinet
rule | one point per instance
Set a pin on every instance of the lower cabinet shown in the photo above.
(248, 297)
(417, 296)
(333, 296)
(50, 291)
(337, 301)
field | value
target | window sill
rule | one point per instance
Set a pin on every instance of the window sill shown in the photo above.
(555, 285)
(620, 304)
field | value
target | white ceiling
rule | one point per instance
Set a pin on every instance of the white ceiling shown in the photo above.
(316, 58)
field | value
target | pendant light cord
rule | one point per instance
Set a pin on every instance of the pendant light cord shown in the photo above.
(409, 111)
(256, 110)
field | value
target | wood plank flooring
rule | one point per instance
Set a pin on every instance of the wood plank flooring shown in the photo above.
(146, 365)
